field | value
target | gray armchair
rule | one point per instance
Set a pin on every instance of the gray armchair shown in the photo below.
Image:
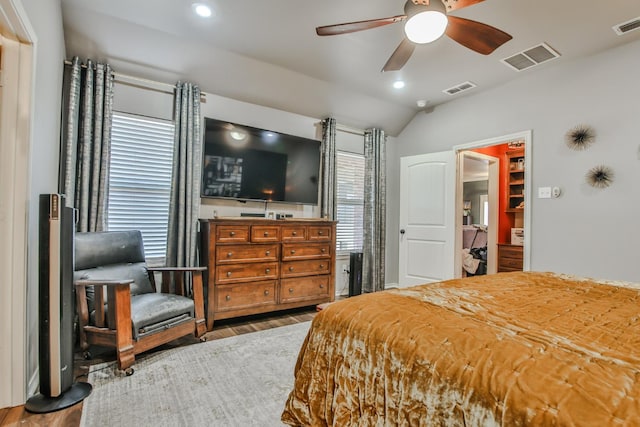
(117, 300)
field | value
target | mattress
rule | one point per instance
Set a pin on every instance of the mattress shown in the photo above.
(511, 349)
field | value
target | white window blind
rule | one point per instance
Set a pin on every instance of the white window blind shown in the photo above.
(140, 179)
(350, 201)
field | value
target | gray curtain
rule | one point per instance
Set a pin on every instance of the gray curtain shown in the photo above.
(86, 141)
(328, 162)
(184, 205)
(373, 267)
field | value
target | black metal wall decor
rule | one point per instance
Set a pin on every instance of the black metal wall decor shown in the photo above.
(580, 137)
(600, 176)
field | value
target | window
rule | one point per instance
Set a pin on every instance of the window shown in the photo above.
(350, 201)
(484, 203)
(140, 179)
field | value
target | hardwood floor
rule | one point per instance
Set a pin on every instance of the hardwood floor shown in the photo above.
(70, 417)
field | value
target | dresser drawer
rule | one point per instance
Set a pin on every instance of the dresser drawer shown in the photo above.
(246, 253)
(305, 268)
(304, 288)
(509, 258)
(319, 232)
(244, 295)
(294, 251)
(510, 252)
(229, 273)
(294, 233)
(232, 233)
(265, 233)
(510, 264)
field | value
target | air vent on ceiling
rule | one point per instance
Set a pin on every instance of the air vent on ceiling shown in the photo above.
(625, 27)
(531, 57)
(460, 88)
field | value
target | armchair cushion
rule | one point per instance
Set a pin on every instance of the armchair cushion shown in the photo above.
(155, 312)
(108, 247)
(134, 271)
(111, 255)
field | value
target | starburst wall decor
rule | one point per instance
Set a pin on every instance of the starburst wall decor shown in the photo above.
(600, 176)
(580, 137)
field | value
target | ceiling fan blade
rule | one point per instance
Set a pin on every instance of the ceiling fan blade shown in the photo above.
(452, 5)
(400, 56)
(477, 36)
(351, 27)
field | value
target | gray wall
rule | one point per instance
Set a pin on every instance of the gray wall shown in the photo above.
(46, 20)
(586, 232)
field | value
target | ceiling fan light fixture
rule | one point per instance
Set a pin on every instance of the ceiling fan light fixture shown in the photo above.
(426, 27)
(202, 10)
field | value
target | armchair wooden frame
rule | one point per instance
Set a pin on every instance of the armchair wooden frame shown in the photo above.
(113, 327)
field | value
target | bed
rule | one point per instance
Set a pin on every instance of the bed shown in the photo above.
(511, 349)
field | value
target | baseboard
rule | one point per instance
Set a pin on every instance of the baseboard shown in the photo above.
(34, 383)
(391, 286)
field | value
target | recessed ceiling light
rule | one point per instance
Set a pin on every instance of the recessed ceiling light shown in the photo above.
(421, 103)
(202, 10)
(398, 84)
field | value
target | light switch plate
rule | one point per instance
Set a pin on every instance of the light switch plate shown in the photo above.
(544, 192)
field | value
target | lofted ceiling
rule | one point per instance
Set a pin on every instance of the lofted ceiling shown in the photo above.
(267, 52)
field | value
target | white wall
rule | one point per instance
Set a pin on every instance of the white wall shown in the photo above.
(46, 19)
(585, 231)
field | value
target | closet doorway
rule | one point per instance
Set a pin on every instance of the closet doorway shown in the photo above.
(478, 195)
(487, 163)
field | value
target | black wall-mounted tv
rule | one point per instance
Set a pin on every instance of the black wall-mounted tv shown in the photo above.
(246, 163)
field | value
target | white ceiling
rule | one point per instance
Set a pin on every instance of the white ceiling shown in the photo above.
(267, 52)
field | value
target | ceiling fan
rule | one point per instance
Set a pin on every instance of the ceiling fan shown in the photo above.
(426, 21)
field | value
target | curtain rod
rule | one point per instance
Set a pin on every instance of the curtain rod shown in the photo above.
(346, 129)
(143, 83)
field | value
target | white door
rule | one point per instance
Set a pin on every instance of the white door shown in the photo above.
(427, 207)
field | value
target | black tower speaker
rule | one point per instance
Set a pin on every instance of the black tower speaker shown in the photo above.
(56, 309)
(355, 273)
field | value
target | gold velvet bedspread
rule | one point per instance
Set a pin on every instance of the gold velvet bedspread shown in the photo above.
(511, 349)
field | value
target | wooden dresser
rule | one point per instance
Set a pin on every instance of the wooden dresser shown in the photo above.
(259, 265)
(509, 257)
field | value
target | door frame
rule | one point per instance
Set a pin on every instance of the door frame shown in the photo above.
(493, 192)
(16, 114)
(526, 136)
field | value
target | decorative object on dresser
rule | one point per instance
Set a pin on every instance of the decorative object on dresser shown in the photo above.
(262, 265)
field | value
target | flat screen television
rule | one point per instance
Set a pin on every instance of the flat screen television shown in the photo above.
(245, 163)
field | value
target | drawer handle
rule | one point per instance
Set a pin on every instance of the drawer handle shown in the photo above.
(268, 253)
(290, 268)
(266, 292)
(321, 286)
(320, 233)
(295, 233)
(228, 274)
(267, 270)
(229, 254)
(228, 297)
(293, 251)
(266, 234)
(323, 250)
(321, 266)
(290, 290)
(232, 233)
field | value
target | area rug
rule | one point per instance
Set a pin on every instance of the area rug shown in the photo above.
(243, 380)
